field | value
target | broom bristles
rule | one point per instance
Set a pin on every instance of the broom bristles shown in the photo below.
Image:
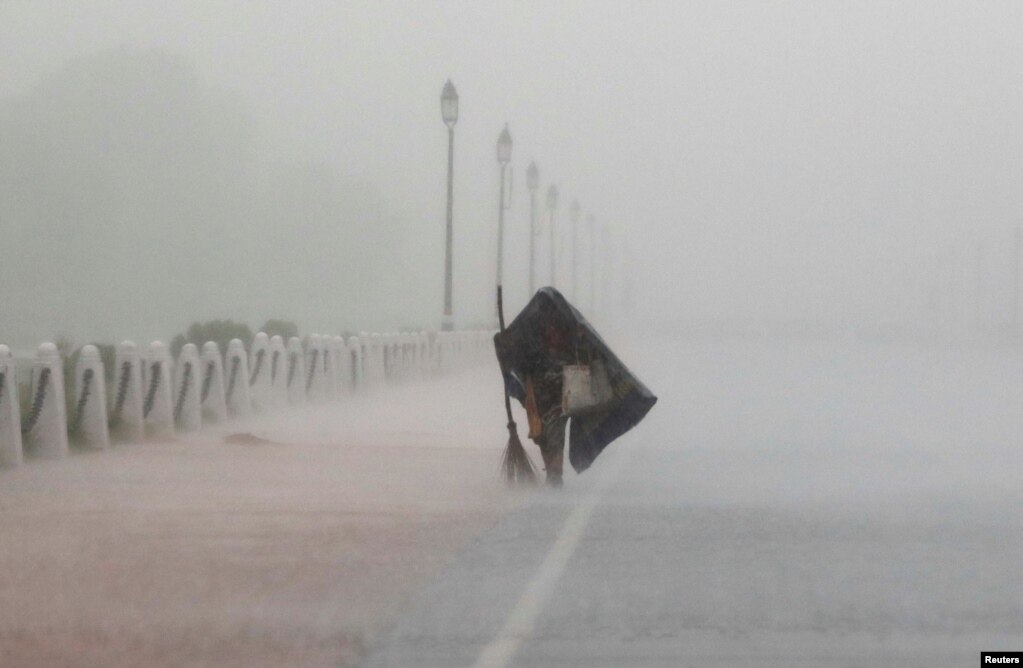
(516, 465)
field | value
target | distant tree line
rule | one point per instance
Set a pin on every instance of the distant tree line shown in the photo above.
(222, 331)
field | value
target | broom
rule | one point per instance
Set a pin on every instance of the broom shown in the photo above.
(516, 465)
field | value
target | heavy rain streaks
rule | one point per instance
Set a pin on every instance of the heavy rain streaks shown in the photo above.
(251, 412)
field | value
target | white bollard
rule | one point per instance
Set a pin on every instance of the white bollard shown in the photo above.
(397, 357)
(410, 354)
(330, 375)
(460, 350)
(342, 382)
(296, 372)
(402, 356)
(413, 355)
(259, 373)
(408, 358)
(239, 401)
(428, 355)
(126, 421)
(393, 358)
(10, 411)
(437, 346)
(45, 429)
(378, 355)
(417, 355)
(426, 360)
(88, 421)
(424, 354)
(278, 372)
(211, 394)
(158, 402)
(440, 348)
(187, 402)
(315, 381)
(379, 358)
(369, 361)
(366, 342)
(387, 356)
(356, 375)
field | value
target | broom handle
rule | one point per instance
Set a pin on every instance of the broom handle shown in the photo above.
(500, 320)
(500, 307)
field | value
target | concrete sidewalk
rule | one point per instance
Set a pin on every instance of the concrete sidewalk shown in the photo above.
(296, 551)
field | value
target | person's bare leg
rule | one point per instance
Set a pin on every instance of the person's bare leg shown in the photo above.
(553, 450)
(554, 469)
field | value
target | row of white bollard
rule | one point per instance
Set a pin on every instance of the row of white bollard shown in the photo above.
(154, 396)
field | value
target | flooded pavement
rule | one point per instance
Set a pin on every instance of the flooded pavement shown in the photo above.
(864, 515)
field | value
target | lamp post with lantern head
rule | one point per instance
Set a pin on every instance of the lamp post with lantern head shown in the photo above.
(552, 204)
(449, 113)
(504, 147)
(532, 183)
(591, 223)
(573, 215)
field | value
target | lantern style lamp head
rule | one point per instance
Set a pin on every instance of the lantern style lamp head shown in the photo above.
(552, 197)
(504, 146)
(449, 104)
(573, 211)
(532, 177)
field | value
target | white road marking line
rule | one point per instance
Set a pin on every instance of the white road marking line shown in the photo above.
(522, 619)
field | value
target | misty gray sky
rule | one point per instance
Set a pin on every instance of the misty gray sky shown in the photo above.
(792, 160)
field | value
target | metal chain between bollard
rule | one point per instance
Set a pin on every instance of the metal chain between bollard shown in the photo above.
(292, 367)
(37, 401)
(76, 420)
(312, 370)
(207, 381)
(186, 376)
(154, 382)
(122, 393)
(232, 377)
(257, 366)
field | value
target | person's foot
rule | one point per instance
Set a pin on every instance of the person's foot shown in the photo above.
(554, 465)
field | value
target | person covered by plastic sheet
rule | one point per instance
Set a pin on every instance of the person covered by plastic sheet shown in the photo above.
(550, 348)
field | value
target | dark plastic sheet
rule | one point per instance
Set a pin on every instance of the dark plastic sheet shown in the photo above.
(550, 333)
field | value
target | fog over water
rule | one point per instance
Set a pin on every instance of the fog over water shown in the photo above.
(821, 162)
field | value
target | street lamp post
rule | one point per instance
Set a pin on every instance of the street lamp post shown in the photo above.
(504, 147)
(449, 113)
(979, 291)
(591, 223)
(607, 298)
(552, 204)
(1017, 241)
(573, 215)
(532, 182)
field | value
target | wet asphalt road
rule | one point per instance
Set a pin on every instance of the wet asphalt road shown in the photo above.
(867, 515)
